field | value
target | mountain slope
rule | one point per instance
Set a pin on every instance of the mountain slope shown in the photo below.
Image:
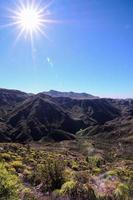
(9, 99)
(39, 117)
(25, 117)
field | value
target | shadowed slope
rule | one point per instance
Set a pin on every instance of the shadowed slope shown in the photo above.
(25, 117)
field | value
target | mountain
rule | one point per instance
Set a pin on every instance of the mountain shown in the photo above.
(39, 117)
(25, 117)
(9, 99)
(72, 95)
(120, 128)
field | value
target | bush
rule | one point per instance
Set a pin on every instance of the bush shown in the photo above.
(96, 160)
(68, 188)
(28, 195)
(18, 165)
(122, 191)
(50, 174)
(73, 190)
(10, 185)
(5, 156)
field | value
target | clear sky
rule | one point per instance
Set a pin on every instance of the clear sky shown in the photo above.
(89, 50)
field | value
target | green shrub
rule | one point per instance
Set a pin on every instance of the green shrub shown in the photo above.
(27, 175)
(5, 156)
(50, 174)
(96, 160)
(69, 174)
(18, 165)
(28, 195)
(74, 165)
(10, 185)
(76, 191)
(122, 191)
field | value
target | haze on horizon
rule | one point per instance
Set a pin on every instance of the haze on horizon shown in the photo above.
(89, 50)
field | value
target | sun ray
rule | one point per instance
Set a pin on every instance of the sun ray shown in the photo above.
(43, 33)
(30, 18)
(9, 25)
(19, 35)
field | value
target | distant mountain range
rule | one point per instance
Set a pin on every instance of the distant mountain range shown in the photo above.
(72, 95)
(60, 116)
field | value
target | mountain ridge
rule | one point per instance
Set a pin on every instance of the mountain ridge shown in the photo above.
(26, 117)
(73, 95)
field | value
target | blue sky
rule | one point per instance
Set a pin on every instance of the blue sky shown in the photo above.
(90, 50)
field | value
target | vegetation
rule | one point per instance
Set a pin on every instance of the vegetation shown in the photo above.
(70, 170)
(10, 185)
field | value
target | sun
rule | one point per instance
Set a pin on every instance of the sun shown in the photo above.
(30, 18)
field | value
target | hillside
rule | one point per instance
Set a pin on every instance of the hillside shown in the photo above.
(64, 148)
(120, 128)
(25, 117)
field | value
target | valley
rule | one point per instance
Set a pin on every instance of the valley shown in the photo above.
(63, 148)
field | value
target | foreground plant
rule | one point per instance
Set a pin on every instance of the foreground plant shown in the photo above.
(10, 185)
